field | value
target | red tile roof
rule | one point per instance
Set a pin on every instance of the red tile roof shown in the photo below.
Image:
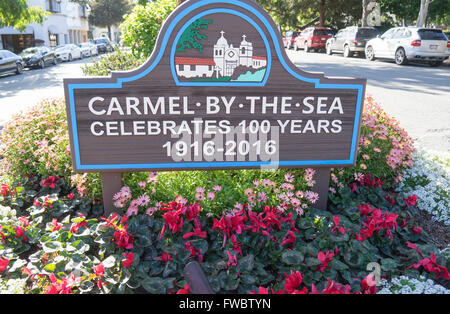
(259, 58)
(194, 61)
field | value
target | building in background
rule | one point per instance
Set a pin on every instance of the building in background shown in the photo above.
(66, 24)
(98, 32)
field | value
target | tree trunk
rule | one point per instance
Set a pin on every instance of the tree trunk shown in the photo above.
(109, 32)
(423, 13)
(365, 13)
(322, 13)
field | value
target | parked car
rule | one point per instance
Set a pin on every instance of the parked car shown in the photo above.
(38, 57)
(10, 62)
(103, 44)
(313, 38)
(351, 40)
(68, 52)
(88, 49)
(403, 44)
(289, 38)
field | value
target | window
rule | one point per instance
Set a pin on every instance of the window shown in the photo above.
(53, 38)
(243, 51)
(53, 6)
(193, 68)
(321, 32)
(389, 33)
(181, 67)
(367, 33)
(431, 34)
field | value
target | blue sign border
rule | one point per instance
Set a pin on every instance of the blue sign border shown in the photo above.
(118, 84)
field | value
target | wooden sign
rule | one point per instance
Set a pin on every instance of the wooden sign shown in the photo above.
(218, 92)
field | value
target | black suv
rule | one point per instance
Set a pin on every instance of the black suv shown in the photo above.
(350, 40)
(103, 44)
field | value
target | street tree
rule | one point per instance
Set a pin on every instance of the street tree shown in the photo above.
(106, 13)
(423, 13)
(18, 14)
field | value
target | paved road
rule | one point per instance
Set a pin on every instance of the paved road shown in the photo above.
(18, 92)
(417, 95)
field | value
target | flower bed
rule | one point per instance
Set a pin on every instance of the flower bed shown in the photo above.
(406, 285)
(269, 244)
(429, 179)
(252, 231)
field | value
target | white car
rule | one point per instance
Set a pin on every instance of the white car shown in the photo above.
(68, 52)
(88, 49)
(403, 44)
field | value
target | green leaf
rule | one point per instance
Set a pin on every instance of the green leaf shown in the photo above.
(109, 262)
(50, 247)
(246, 263)
(312, 261)
(292, 257)
(389, 264)
(153, 285)
(338, 265)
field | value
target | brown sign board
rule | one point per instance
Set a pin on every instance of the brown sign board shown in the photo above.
(218, 92)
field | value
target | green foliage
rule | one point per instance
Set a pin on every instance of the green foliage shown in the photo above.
(70, 253)
(141, 27)
(18, 14)
(106, 64)
(105, 13)
(191, 36)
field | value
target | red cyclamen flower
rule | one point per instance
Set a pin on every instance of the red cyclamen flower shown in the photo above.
(324, 259)
(128, 260)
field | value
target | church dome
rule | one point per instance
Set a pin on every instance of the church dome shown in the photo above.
(222, 41)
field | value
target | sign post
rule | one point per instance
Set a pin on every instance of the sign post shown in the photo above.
(218, 92)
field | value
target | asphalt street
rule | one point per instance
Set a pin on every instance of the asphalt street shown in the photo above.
(417, 95)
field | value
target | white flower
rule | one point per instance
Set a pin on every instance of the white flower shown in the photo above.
(429, 179)
(406, 285)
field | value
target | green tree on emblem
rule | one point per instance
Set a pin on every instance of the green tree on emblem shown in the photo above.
(191, 37)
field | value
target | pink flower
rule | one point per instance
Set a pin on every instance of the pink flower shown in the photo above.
(232, 260)
(165, 257)
(3, 264)
(338, 227)
(197, 232)
(99, 269)
(211, 196)
(324, 259)
(293, 281)
(411, 200)
(217, 188)
(289, 178)
(50, 182)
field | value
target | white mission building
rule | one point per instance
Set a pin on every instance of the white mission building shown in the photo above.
(225, 60)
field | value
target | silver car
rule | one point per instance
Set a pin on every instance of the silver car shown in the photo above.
(403, 44)
(68, 52)
(88, 49)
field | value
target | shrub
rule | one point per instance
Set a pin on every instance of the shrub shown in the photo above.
(117, 61)
(141, 27)
(36, 142)
(385, 149)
